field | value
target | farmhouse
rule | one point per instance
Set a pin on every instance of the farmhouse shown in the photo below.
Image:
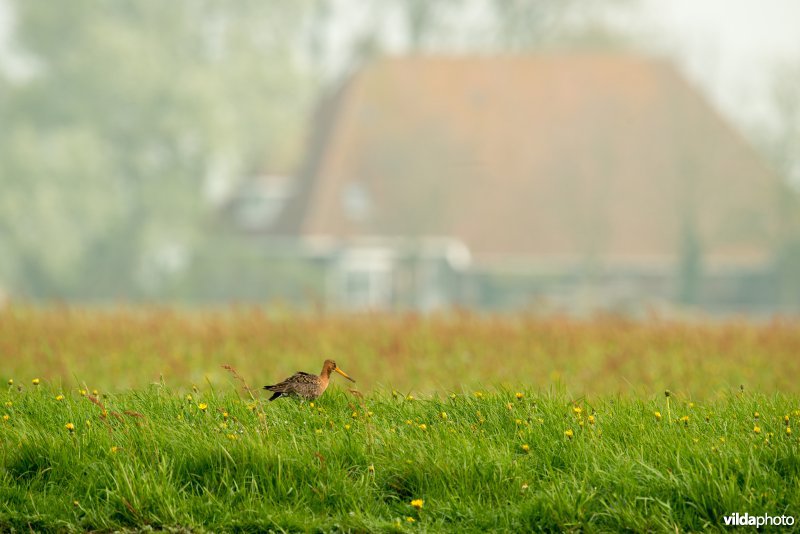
(569, 181)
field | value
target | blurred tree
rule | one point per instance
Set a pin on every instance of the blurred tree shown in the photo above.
(131, 111)
(423, 19)
(360, 32)
(780, 142)
(522, 25)
(690, 263)
(525, 24)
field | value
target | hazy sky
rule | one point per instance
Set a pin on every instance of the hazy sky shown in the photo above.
(730, 49)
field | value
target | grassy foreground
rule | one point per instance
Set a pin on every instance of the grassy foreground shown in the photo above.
(496, 460)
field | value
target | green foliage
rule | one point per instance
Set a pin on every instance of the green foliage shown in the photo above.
(129, 110)
(238, 271)
(212, 460)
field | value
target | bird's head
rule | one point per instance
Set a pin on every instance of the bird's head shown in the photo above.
(330, 366)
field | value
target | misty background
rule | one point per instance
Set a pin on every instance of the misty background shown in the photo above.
(144, 147)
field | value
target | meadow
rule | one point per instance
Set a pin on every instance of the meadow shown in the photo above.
(123, 348)
(126, 419)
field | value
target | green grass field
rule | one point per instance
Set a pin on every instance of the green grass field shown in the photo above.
(583, 445)
(478, 461)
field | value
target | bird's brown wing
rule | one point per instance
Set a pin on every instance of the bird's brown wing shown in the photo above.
(288, 385)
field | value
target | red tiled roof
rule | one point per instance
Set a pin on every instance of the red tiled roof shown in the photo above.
(549, 157)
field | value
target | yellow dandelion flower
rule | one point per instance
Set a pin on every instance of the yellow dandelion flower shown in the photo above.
(114, 449)
(658, 415)
(82, 392)
(478, 394)
(189, 398)
(35, 381)
(756, 415)
(519, 395)
(311, 404)
(577, 410)
(59, 397)
(691, 405)
(70, 427)
(423, 427)
(569, 433)
(417, 503)
(452, 395)
(354, 415)
(410, 519)
(347, 427)
(786, 419)
(443, 415)
(371, 468)
(6, 417)
(757, 429)
(590, 419)
(224, 415)
(409, 422)
(410, 398)
(685, 419)
(202, 406)
(10, 381)
(233, 437)
(518, 421)
(525, 447)
(788, 431)
(95, 392)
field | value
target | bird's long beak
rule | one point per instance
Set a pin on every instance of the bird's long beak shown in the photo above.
(344, 374)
